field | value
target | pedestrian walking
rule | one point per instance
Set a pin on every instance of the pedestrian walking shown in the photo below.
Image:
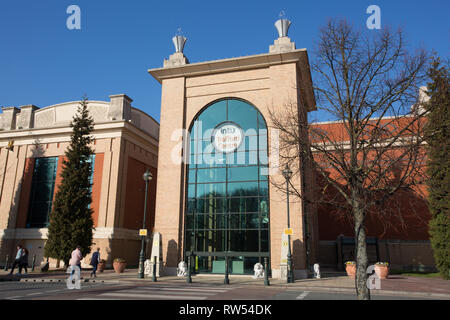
(24, 261)
(17, 260)
(95, 259)
(75, 260)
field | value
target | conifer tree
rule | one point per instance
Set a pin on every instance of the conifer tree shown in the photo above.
(438, 150)
(71, 220)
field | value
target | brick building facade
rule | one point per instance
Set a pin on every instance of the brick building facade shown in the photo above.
(125, 145)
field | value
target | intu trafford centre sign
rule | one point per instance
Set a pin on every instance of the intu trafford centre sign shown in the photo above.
(227, 137)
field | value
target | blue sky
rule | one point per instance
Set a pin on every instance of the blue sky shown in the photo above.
(44, 63)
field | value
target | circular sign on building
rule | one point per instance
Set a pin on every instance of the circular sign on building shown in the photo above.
(227, 137)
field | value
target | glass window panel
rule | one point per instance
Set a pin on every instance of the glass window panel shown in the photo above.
(263, 205)
(213, 222)
(210, 158)
(192, 161)
(243, 189)
(261, 122)
(42, 191)
(211, 175)
(189, 240)
(244, 205)
(212, 116)
(191, 206)
(243, 173)
(243, 114)
(252, 157)
(191, 176)
(263, 173)
(263, 188)
(242, 158)
(263, 159)
(212, 205)
(210, 240)
(189, 222)
(264, 240)
(211, 190)
(205, 146)
(244, 240)
(251, 143)
(191, 190)
(193, 147)
(262, 141)
(193, 134)
(244, 221)
(264, 220)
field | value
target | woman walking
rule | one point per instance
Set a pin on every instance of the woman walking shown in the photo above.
(95, 259)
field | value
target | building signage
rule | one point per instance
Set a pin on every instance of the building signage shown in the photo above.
(227, 137)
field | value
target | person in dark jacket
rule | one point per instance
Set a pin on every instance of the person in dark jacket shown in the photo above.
(24, 261)
(95, 259)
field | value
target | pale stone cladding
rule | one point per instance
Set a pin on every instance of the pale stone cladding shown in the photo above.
(267, 81)
(125, 143)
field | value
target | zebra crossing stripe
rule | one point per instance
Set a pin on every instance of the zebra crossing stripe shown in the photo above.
(302, 296)
(151, 296)
(185, 289)
(161, 291)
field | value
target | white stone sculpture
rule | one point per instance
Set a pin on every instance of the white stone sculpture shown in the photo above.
(259, 271)
(182, 269)
(316, 271)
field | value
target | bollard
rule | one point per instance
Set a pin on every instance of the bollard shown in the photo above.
(154, 269)
(266, 273)
(226, 280)
(189, 278)
(7, 262)
(33, 262)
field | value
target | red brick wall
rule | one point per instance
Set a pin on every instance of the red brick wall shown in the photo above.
(405, 217)
(25, 193)
(58, 178)
(135, 196)
(97, 186)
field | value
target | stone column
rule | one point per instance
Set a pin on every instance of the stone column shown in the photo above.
(9, 118)
(120, 107)
(26, 120)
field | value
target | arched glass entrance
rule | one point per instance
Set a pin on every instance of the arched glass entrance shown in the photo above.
(227, 200)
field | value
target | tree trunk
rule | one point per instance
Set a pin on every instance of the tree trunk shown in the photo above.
(361, 254)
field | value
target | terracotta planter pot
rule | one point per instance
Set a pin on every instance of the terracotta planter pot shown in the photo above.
(382, 271)
(351, 270)
(119, 267)
(101, 266)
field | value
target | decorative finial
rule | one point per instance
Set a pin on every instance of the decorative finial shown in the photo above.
(179, 41)
(282, 25)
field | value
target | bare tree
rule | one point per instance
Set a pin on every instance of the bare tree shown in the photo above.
(372, 154)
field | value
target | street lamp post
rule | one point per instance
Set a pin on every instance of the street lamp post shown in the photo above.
(147, 176)
(287, 173)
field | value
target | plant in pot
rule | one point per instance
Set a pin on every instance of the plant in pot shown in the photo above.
(350, 267)
(101, 265)
(119, 265)
(382, 269)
